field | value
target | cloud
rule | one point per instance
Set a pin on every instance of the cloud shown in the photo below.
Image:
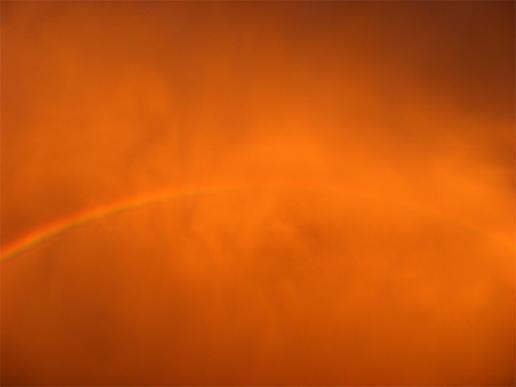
(362, 231)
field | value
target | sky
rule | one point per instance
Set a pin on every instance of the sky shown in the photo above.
(273, 193)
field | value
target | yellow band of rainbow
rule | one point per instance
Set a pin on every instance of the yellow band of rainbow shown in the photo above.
(64, 224)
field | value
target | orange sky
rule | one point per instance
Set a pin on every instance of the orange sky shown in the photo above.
(336, 193)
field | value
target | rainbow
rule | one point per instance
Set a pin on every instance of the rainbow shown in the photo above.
(88, 215)
(60, 226)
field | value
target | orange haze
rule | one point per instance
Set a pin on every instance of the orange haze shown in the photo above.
(336, 193)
